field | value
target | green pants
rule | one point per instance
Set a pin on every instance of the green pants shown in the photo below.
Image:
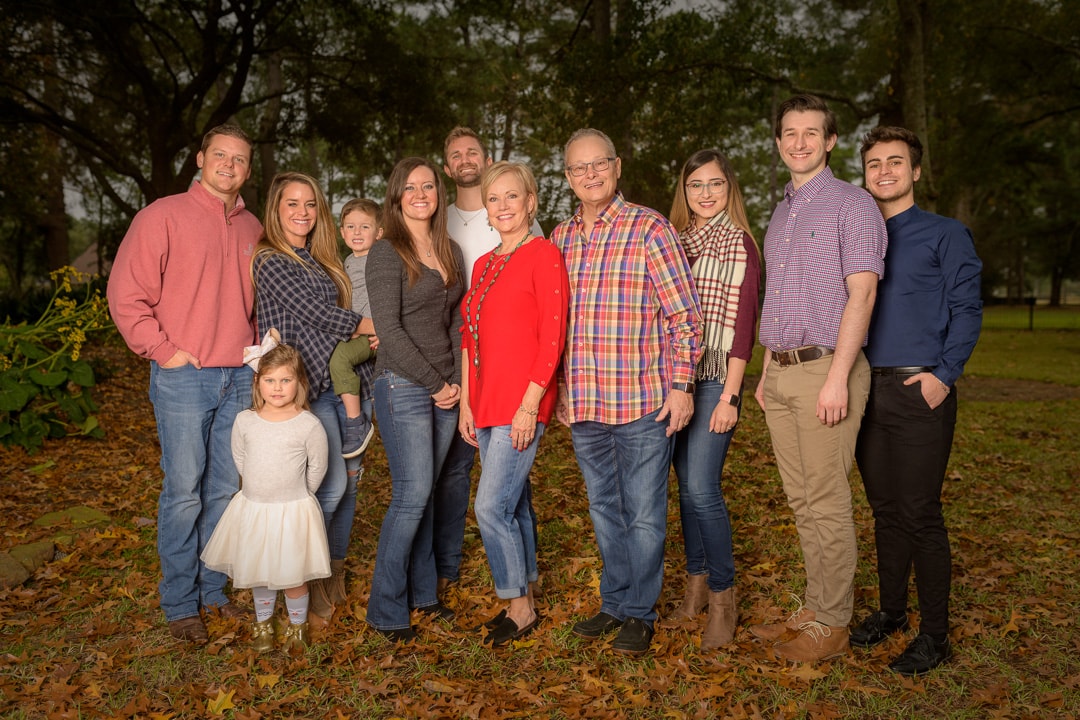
(346, 356)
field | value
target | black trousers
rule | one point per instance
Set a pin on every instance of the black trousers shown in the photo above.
(903, 452)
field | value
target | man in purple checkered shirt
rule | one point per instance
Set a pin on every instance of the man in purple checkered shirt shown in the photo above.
(824, 254)
(631, 343)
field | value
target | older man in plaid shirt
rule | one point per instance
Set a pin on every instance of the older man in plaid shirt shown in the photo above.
(627, 387)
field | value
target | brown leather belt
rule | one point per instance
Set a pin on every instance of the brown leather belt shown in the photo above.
(904, 370)
(784, 358)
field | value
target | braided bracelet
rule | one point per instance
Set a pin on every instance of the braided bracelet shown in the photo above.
(528, 412)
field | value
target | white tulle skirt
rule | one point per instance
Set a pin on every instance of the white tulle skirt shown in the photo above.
(273, 545)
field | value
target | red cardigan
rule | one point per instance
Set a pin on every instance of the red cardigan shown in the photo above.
(521, 334)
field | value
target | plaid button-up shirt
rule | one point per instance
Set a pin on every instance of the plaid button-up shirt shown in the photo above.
(300, 300)
(634, 324)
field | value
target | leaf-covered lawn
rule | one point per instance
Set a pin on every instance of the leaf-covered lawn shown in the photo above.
(84, 637)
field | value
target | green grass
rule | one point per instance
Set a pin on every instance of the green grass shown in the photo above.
(85, 638)
(1020, 317)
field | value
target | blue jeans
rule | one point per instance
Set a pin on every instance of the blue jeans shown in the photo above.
(451, 506)
(416, 436)
(626, 472)
(504, 512)
(337, 494)
(699, 462)
(195, 410)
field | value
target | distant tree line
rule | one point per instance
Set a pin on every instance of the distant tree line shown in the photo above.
(103, 102)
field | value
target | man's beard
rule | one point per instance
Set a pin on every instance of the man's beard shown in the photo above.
(467, 179)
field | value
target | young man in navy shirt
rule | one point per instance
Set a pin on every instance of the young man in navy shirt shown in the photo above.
(924, 327)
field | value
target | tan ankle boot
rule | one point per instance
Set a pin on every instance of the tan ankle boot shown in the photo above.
(723, 617)
(693, 603)
(319, 602)
(336, 583)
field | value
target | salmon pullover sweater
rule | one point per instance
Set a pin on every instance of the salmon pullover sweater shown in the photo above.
(182, 280)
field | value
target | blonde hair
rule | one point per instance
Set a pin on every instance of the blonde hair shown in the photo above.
(322, 240)
(520, 171)
(282, 356)
(368, 207)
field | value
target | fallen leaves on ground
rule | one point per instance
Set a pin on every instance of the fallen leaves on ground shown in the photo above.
(85, 638)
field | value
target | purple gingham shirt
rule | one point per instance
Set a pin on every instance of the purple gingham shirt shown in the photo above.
(819, 234)
(634, 323)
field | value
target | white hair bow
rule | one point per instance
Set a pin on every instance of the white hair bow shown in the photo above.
(252, 353)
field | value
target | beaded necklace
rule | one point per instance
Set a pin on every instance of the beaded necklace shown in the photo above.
(473, 323)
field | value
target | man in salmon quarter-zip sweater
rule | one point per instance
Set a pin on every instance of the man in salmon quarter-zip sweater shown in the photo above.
(181, 295)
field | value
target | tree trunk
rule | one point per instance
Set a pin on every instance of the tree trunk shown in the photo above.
(54, 225)
(915, 30)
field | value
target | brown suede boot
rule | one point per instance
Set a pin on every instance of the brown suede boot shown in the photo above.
(319, 599)
(815, 641)
(723, 617)
(336, 583)
(694, 600)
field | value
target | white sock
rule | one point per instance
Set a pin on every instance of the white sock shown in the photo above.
(297, 608)
(265, 599)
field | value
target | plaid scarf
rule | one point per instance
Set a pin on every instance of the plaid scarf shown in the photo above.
(718, 275)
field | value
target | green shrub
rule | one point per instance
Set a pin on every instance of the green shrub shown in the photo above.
(44, 386)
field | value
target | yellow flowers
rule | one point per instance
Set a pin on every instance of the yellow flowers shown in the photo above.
(44, 385)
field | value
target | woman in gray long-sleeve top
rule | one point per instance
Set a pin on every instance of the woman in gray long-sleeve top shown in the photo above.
(415, 285)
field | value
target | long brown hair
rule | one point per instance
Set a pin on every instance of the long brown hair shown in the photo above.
(322, 240)
(282, 356)
(397, 233)
(736, 209)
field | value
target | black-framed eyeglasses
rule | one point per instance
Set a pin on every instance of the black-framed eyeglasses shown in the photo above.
(579, 169)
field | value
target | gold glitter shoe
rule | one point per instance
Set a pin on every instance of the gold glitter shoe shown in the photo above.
(296, 638)
(262, 636)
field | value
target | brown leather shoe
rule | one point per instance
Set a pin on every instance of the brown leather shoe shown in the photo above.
(775, 631)
(231, 611)
(189, 629)
(814, 642)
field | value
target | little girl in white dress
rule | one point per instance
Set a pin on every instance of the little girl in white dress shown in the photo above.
(272, 536)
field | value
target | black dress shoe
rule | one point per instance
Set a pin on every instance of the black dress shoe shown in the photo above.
(876, 628)
(439, 612)
(921, 656)
(508, 630)
(634, 638)
(399, 636)
(599, 624)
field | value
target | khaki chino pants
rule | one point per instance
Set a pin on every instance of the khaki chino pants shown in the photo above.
(815, 461)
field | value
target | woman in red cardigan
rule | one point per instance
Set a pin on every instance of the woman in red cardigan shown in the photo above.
(514, 329)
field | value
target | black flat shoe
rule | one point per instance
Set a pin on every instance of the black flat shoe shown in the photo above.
(508, 630)
(633, 639)
(921, 656)
(876, 628)
(599, 624)
(439, 612)
(403, 635)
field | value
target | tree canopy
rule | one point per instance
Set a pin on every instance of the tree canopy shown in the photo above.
(104, 102)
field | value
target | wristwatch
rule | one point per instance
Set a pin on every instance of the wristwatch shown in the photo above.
(731, 398)
(688, 387)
